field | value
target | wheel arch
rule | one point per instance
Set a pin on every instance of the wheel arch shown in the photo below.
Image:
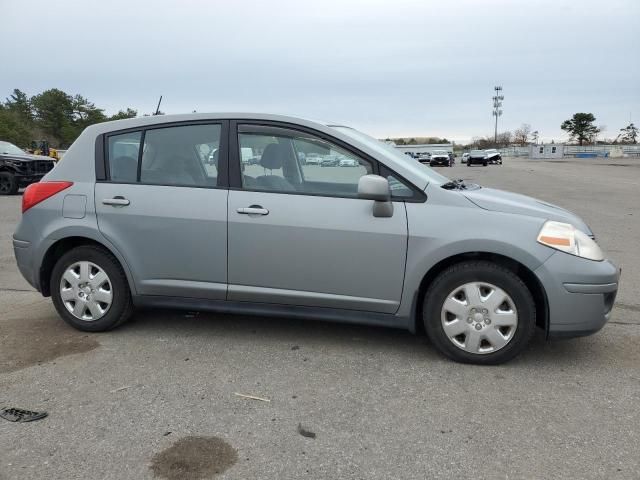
(522, 271)
(62, 246)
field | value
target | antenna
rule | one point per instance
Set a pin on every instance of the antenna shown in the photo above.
(158, 107)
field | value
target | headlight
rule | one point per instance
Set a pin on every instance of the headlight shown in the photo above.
(567, 238)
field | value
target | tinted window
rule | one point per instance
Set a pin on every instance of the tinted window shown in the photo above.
(185, 155)
(299, 163)
(123, 157)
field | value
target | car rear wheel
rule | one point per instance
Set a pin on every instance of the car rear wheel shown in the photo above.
(479, 312)
(90, 290)
(484, 164)
(8, 184)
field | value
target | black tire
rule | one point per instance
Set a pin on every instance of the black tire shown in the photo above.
(121, 307)
(8, 184)
(484, 164)
(468, 163)
(481, 271)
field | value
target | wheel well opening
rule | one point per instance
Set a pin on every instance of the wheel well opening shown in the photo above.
(526, 275)
(54, 253)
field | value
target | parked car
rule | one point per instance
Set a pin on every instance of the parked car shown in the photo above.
(19, 169)
(314, 159)
(348, 162)
(493, 156)
(388, 242)
(330, 161)
(464, 158)
(477, 157)
(424, 157)
(440, 158)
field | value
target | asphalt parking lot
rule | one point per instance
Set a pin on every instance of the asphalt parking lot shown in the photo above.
(157, 397)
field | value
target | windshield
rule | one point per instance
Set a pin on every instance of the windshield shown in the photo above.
(440, 152)
(390, 152)
(10, 148)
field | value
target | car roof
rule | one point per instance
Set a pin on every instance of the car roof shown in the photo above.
(128, 123)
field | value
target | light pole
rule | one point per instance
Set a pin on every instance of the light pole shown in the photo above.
(497, 110)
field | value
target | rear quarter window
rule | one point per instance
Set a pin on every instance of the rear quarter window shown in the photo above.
(122, 154)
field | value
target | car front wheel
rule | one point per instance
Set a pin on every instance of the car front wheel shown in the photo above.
(479, 312)
(8, 184)
(90, 290)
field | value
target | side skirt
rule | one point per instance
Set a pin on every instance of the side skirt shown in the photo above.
(273, 310)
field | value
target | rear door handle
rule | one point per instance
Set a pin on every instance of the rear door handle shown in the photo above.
(116, 201)
(253, 210)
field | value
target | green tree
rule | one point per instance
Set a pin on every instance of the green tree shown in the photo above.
(13, 128)
(54, 111)
(19, 103)
(122, 114)
(629, 134)
(581, 127)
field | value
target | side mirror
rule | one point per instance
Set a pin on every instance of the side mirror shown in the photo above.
(376, 188)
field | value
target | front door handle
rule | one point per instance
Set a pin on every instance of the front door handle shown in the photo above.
(116, 201)
(253, 210)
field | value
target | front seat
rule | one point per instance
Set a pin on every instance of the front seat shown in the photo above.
(273, 159)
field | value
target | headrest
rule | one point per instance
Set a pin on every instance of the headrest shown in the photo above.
(273, 156)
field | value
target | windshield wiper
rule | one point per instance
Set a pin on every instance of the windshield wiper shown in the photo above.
(454, 185)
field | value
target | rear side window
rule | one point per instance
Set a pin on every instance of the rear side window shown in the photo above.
(123, 157)
(184, 155)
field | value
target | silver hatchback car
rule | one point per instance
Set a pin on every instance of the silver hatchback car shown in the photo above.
(221, 212)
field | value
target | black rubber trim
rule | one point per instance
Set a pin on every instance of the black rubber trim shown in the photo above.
(101, 169)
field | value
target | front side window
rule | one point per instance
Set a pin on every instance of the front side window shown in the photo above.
(182, 155)
(123, 153)
(299, 163)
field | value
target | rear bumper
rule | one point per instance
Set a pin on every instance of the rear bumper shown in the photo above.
(24, 258)
(580, 294)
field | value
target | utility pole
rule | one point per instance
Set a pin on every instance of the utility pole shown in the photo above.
(497, 109)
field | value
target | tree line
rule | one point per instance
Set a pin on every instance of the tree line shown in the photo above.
(53, 115)
(580, 127)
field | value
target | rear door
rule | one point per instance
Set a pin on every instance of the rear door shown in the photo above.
(163, 204)
(298, 234)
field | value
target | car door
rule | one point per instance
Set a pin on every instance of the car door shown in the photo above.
(298, 234)
(163, 205)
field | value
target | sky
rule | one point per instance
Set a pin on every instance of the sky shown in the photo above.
(388, 68)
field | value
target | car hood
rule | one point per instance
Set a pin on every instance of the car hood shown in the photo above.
(27, 157)
(508, 202)
(439, 156)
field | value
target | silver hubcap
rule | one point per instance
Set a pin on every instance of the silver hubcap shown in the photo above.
(86, 291)
(479, 317)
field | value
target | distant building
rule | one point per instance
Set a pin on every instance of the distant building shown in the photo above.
(550, 150)
(424, 148)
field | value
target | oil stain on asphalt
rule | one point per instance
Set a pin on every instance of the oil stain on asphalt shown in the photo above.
(194, 458)
(25, 342)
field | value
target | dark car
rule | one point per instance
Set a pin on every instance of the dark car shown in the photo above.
(440, 158)
(19, 169)
(478, 157)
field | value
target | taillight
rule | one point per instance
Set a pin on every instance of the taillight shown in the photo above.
(37, 192)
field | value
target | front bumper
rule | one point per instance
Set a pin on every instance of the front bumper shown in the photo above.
(580, 294)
